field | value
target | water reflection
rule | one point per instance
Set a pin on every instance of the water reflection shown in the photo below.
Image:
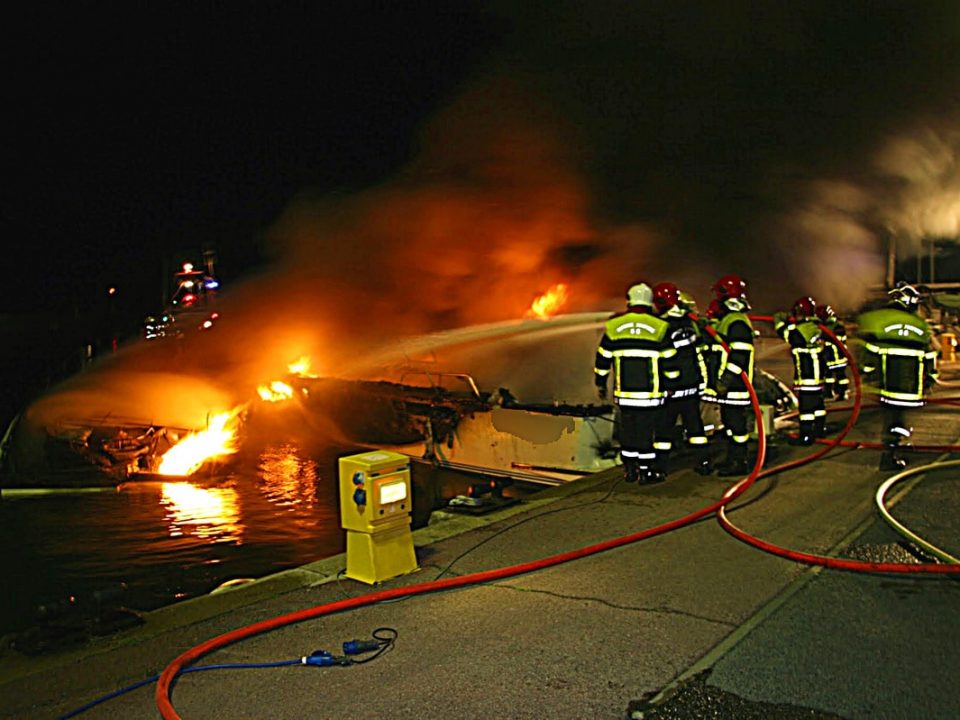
(287, 479)
(205, 513)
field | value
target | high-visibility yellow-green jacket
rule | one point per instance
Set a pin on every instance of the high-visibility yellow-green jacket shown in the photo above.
(896, 350)
(633, 348)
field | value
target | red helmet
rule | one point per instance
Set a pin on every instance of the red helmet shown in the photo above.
(825, 313)
(805, 307)
(665, 296)
(715, 309)
(730, 286)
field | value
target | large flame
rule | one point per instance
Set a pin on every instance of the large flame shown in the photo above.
(219, 439)
(301, 368)
(550, 303)
(275, 391)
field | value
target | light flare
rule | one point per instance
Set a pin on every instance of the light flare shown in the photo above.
(218, 440)
(550, 303)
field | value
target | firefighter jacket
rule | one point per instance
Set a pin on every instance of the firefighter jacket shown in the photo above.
(736, 330)
(833, 356)
(685, 372)
(806, 346)
(897, 354)
(633, 349)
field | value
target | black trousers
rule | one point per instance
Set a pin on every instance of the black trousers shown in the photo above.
(895, 428)
(811, 408)
(734, 419)
(688, 410)
(637, 426)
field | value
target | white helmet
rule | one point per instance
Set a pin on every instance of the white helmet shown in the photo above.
(640, 294)
(905, 295)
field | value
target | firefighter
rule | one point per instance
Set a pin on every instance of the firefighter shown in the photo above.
(685, 378)
(632, 349)
(713, 352)
(898, 357)
(835, 380)
(801, 331)
(734, 328)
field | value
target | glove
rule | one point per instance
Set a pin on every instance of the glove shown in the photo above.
(780, 318)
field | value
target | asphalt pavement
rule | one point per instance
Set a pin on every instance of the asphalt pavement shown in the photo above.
(691, 623)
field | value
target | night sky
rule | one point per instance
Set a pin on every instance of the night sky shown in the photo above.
(148, 135)
(783, 141)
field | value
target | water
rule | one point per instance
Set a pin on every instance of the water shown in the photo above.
(170, 540)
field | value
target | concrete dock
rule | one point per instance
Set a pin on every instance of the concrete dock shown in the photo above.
(688, 624)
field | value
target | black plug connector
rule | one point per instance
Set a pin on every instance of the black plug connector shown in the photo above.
(321, 658)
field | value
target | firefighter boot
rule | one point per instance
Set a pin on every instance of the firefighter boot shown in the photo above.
(652, 476)
(703, 465)
(820, 427)
(805, 436)
(631, 471)
(736, 463)
(891, 460)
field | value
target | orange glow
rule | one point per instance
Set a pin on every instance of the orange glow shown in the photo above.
(275, 391)
(301, 368)
(218, 440)
(550, 303)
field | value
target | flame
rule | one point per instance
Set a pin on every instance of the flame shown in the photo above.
(550, 303)
(301, 368)
(189, 454)
(275, 391)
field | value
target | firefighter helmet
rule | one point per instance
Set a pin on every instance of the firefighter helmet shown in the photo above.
(730, 286)
(805, 307)
(640, 294)
(715, 309)
(905, 295)
(825, 313)
(665, 296)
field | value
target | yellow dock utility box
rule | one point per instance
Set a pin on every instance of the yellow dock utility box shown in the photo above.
(376, 504)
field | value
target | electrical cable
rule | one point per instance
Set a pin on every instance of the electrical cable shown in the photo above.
(197, 668)
(383, 641)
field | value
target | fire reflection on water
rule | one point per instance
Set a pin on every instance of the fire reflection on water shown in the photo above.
(288, 479)
(204, 513)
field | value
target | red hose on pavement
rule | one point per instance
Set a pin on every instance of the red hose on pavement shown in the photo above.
(823, 560)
